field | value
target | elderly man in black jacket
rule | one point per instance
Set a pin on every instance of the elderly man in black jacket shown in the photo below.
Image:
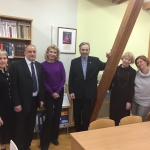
(27, 95)
(83, 85)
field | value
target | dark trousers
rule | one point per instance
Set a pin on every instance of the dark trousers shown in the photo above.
(50, 130)
(24, 126)
(7, 129)
(82, 113)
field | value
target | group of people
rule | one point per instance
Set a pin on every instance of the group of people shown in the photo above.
(27, 86)
(130, 90)
(30, 84)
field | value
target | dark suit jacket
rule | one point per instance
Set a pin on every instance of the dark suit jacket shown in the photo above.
(22, 84)
(5, 93)
(77, 84)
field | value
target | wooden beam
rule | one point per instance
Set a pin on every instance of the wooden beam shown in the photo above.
(146, 6)
(121, 40)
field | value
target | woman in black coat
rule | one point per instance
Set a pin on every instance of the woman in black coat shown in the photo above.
(122, 89)
(5, 101)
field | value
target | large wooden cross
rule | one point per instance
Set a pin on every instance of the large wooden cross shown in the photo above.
(121, 40)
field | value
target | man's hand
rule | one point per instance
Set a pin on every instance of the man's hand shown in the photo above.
(72, 96)
(55, 95)
(1, 121)
(41, 104)
(18, 108)
(128, 105)
(108, 54)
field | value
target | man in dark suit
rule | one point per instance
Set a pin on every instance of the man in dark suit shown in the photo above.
(27, 95)
(83, 85)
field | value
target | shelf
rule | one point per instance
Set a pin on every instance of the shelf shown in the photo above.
(65, 126)
(66, 106)
(15, 38)
(15, 18)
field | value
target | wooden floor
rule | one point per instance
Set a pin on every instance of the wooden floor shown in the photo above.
(64, 141)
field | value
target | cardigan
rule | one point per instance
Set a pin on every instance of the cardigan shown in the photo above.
(142, 89)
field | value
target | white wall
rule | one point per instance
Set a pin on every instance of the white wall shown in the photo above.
(45, 13)
(99, 22)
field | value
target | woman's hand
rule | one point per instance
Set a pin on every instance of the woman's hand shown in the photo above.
(128, 105)
(55, 95)
(1, 121)
(41, 104)
(17, 108)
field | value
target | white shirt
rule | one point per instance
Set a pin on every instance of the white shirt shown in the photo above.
(29, 66)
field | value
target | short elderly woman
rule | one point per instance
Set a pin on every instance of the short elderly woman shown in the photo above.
(141, 100)
(54, 80)
(122, 89)
(5, 101)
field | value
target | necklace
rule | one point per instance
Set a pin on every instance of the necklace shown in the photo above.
(122, 86)
(146, 72)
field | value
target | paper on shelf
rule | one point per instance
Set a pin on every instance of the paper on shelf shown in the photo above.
(66, 100)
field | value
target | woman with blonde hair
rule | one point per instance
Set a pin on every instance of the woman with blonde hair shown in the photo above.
(141, 99)
(54, 80)
(122, 89)
(5, 101)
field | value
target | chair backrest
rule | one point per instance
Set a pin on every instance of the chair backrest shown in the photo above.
(130, 120)
(101, 123)
(13, 145)
(148, 117)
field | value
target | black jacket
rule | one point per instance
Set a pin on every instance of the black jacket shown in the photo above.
(22, 84)
(77, 84)
(5, 93)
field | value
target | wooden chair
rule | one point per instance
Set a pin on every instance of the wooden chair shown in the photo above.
(13, 145)
(148, 117)
(130, 120)
(101, 123)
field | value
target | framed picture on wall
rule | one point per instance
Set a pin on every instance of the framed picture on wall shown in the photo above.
(67, 40)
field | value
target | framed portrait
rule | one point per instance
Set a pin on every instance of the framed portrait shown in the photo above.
(67, 40)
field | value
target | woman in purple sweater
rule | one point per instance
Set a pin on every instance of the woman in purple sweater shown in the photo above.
(54, 80)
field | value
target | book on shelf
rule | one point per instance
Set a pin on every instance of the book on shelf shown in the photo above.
(14, 29)
(64, 121)
(24, 29)
(40, 118)
(13, 49)
(8, 28)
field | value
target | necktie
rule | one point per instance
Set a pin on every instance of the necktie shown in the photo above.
(33, 77)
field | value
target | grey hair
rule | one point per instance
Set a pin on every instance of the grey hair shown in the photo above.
(84, 43)
(130, 55)
(3, 52)
(28, 46)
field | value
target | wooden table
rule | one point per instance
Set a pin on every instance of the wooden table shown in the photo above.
(127, 137)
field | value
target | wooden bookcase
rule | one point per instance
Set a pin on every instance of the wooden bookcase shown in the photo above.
(16, 31)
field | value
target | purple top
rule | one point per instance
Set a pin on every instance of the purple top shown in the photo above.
(54, 76)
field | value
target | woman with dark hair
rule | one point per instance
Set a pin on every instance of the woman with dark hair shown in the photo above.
(54, 80)
(141, 99)
(122, 89)
(5, 101)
